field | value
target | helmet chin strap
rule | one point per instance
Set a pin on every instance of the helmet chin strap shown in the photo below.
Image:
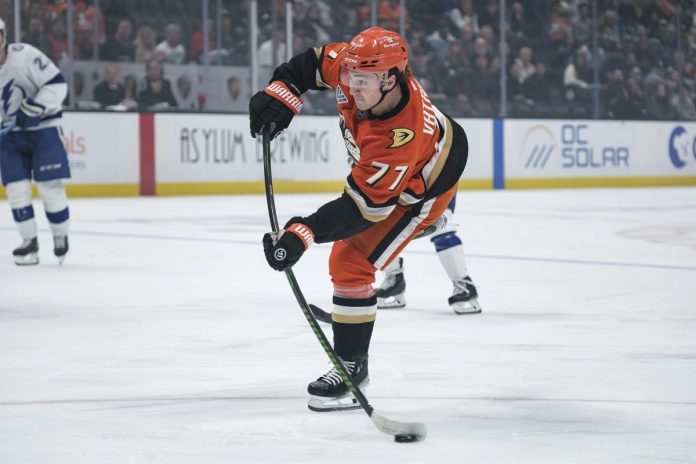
(384, 94)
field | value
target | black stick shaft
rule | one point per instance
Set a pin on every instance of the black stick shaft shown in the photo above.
(330, 352)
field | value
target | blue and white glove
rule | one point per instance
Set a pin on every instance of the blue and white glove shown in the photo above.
(29, 113)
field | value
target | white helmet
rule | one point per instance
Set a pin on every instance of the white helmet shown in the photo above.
(2, 26)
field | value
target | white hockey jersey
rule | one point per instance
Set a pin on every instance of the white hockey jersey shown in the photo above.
(27, 72)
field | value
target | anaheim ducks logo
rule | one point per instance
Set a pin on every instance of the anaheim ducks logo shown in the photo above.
(401, 137)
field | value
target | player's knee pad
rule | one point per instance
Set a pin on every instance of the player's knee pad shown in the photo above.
(55, 200)
(53, 195)
(19, 194)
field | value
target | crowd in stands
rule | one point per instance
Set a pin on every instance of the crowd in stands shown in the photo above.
(642, 58)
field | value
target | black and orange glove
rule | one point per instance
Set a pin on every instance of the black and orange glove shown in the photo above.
(274, 106)
(284, 249)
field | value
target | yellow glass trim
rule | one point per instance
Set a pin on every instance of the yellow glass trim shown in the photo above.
(584, 182)
(92, 190)
(475, 184)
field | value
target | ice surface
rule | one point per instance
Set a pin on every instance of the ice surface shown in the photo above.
(165, 338)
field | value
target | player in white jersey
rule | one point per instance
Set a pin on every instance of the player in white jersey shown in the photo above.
(448, 245)
(32, 90)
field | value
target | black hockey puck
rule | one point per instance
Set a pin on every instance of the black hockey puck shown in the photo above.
(405, 437)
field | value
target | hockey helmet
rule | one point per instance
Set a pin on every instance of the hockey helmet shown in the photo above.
(374, 51)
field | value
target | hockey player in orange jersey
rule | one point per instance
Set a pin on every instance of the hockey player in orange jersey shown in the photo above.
(408, 157)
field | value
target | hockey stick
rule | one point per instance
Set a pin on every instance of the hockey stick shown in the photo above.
(320, 315)
(401, 431)
(6, 130)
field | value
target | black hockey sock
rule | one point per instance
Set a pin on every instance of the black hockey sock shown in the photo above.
(352, 341)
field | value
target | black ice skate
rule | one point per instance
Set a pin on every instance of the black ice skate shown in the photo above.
(465, 297)
(391, 293)
(27, 253)
(60, 247)
(330, 393)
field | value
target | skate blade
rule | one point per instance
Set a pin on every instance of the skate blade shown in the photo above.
(323, 404)
(391, 302)
(467, 307)
(61, 259)
(27, 260)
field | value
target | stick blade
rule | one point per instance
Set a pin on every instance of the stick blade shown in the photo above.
(320, 315)
(394, 428)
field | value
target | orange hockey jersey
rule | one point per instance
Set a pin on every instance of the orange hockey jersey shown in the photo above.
(402, 156)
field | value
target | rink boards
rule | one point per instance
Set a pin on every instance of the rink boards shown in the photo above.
(122, 154)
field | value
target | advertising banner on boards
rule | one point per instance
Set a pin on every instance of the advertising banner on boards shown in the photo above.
(598, 149)
(219, 148)
(103, 148)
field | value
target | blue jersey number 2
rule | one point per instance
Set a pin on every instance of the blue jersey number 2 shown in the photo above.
(42, 66)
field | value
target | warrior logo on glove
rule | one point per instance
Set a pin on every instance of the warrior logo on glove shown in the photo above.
(274, 107)
(280, 254)
(284, 249)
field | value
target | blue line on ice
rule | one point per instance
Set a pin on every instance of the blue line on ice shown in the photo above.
(538, 259)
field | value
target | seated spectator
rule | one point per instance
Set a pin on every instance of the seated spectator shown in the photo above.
(610, 31)
(464, 16)
(582, 25)
(521, 29)
(170, 50)
(58, 41)
(268, 57)
(439, 41)
(658, 104)
(120, 47)
(484, 84)
(456, 62)
(196, 44)
(145, 43)
(36, 34)
(488, 33)
(616, 95)
(390, 14)
(524, 58)
(490, 15)
(157, 92)
(84, 28)
(537, 86)
(577, 76)
(655, 77)
(110, 91)
(683, 104)
(313, 23)
(635, 106)
(480, 47)
(560, 35)
(514, 82)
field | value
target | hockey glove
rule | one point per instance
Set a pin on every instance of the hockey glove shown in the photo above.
(286, 250)
(29, 113)
(275, 105)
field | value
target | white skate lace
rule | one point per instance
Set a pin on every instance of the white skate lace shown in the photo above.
(333, 377)
(59, 241)
(462, 286)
